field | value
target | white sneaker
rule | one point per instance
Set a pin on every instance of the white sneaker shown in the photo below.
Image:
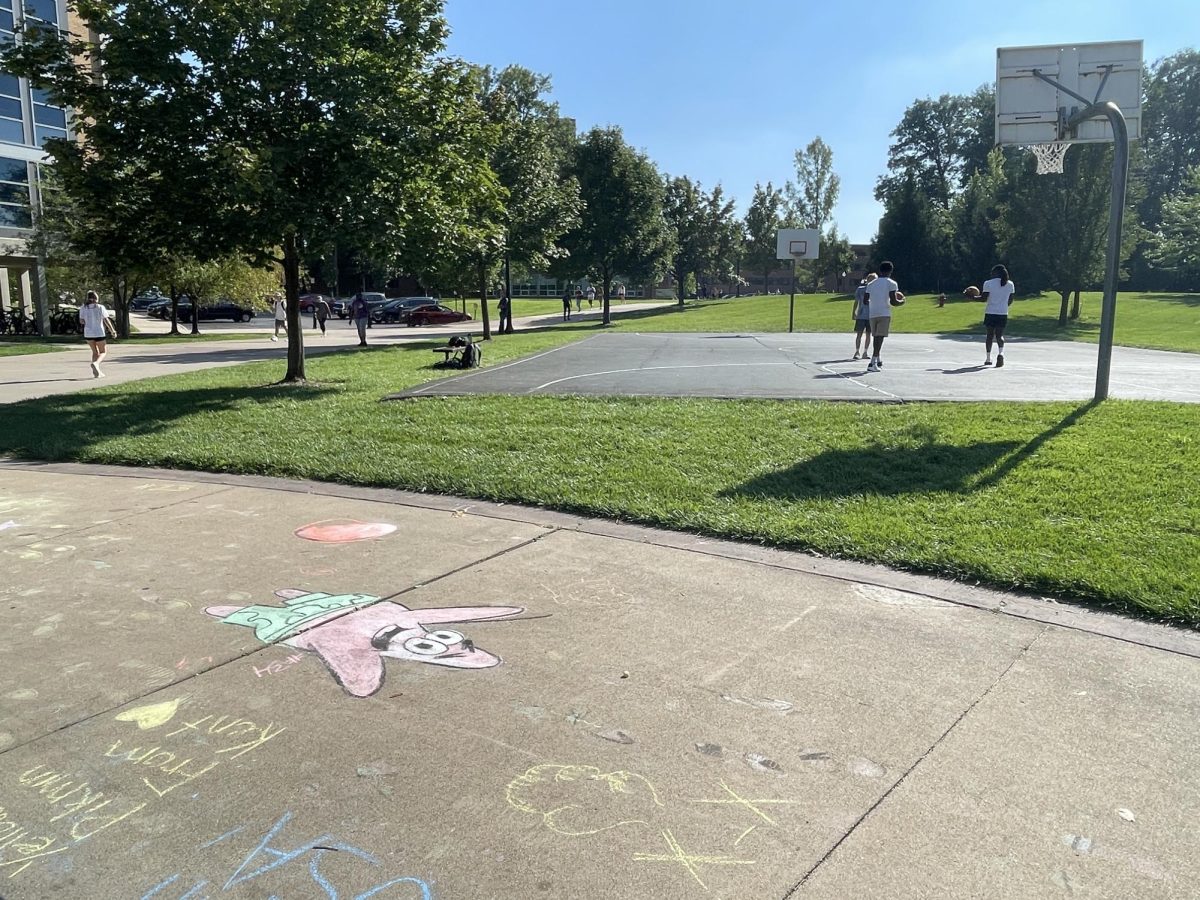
(274, 337)
(95, 371)
(873, 366)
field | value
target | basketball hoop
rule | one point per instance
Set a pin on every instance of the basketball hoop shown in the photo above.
(1050, 157)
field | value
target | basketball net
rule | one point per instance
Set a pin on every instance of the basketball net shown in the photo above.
(1050, 157)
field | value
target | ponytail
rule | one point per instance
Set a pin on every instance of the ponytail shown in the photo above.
(1002, 272)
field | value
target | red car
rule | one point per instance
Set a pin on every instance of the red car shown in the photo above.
(435, 314)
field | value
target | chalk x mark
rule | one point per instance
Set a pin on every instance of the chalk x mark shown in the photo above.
(736, 799)
(689, 861)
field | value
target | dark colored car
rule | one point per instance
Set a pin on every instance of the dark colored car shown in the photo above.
(435, 314)
(222, 309)
(161, 309)
(398, 310)
(145, 301)
(307, 301)
(340, 308)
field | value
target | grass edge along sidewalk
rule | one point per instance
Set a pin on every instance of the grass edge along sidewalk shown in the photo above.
(1091, 502)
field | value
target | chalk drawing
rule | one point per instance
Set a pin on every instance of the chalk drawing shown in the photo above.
(151, 716)
(344, 531)
(354, 633)
(689, 861)
(734, 798)
(4, 526)
(265, 857)
(582, 800)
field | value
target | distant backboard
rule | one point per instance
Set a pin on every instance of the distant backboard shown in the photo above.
(798, 243)
(1030, 111)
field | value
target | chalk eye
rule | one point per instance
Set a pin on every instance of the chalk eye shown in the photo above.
(449, 638)
(424, 645)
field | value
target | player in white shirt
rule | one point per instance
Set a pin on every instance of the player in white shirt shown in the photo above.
(882, 294)
(998, 291)
(94, 318)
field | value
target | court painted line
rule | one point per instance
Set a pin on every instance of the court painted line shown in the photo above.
(868, 386)
(515, 362)
(655, 368)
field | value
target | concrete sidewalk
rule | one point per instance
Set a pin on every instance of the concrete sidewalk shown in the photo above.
(208, 690)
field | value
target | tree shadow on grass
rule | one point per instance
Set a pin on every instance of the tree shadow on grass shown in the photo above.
(925, 466)
(66, 426)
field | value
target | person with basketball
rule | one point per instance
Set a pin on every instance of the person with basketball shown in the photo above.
(96, 329)
(882, 294)
(862, 317)
(998, 293)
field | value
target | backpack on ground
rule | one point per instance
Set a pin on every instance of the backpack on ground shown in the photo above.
(472, 356)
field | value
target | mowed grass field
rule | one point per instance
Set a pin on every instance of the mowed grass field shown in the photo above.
(1155, 321)
(1098, 502)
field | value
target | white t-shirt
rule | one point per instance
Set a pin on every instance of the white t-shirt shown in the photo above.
(591, 293)
(879, 296)
(997, 296)
(93, 316)
(280, 310)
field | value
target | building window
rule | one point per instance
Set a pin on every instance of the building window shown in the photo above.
(49, 121)
(14, 194)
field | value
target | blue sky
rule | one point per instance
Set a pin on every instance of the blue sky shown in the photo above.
(726, 92)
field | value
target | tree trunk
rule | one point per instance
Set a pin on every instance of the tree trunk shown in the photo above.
(483, 307)
(1062, 312)
(121, 302)
(737, 289)
(174, 309)
(766, 281)
(1075, 305)
(195, 314)
(681, 284)
(508, 326)
(607, 282)
(291, 291)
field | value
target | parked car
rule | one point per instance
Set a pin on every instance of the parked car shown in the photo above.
(145, 301)
(307, 301)
(397, 310)
(222, 309)
(340, 308)
(435, 314)
(161, 309)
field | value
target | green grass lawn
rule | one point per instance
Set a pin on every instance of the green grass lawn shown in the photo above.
(1157, 321)
(19, 347)
(1093, 502)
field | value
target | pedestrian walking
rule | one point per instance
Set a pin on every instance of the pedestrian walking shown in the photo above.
(506, 322)
(862, 318)
(280, 316)
(567, 305)
(998, 291)
(578, 300)
(620, 293)
(882, 294)
(321, 314)
(591, 295)
(93, 316)
(360, 314)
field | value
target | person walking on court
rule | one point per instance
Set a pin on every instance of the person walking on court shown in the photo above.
(567, 305)
(862, 318)
(998, 292)
(506, 323)
(360, 314)
(93, 316)
(321, 314)
(280, 316)
(882, 294)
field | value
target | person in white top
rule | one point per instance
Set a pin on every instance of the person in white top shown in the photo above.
(280, 316)
(998, 291)
(93, 316)
(591, 296)
(882, 294)
(620, 293)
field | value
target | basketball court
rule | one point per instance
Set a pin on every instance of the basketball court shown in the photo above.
(820, 367)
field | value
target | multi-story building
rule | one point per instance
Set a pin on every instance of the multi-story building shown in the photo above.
(27, 121)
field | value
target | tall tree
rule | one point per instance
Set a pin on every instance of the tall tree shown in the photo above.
(622, 229)
(812, 198)
(976, 218)
(703, 230)
(275, 132)
(1176, 244)
(764, 218)
(936, 143)
(908, 237)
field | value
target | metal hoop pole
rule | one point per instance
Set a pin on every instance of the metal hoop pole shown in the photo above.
(792, 302)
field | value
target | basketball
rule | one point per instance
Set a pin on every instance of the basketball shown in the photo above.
(972, 292)
(899, 301)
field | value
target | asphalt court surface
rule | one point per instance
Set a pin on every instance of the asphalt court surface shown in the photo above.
(820, 366)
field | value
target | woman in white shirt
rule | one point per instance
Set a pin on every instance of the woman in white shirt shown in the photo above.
(96, 327)
(998, 292)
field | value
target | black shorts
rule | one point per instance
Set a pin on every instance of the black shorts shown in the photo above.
(861, 325)
(994, 320)
(103, 337)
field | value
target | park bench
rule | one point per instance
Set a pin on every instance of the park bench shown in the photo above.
(452, 352)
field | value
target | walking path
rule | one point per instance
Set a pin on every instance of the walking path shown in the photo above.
(246, 687)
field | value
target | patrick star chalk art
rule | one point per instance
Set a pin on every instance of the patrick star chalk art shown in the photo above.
(352, 633)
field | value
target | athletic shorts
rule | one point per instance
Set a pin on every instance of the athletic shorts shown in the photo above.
(995, 320)
(881, 326)
(861, 325)
(88, 337)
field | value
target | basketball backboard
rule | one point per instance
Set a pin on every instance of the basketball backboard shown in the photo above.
(1030, 111)
(798, 243)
